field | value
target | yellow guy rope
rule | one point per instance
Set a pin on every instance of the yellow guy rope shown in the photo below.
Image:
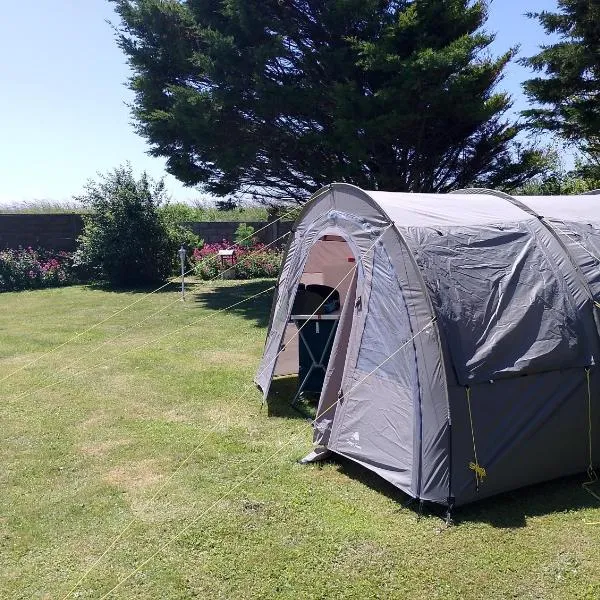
(479, 471)
(252, 472)
(239, 399)
(118, 312)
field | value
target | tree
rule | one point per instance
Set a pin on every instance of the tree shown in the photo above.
(558, 180)
(125, 236)
(569, 90)
(280, 97)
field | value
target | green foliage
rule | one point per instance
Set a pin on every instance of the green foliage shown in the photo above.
(558, 185)
(254, 265)
(45, 207)
(226, 205)
(279, 97)
(243, 235)
(180, 213)
(568, 88)
(174, 219)
(177, 212)
(208, 267)
(250, 261)
(559, 181)
(285, 212)
(125, 237)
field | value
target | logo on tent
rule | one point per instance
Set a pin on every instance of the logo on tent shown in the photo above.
(354, 440)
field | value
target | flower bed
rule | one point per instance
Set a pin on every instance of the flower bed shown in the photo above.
(249, 263)
(27, 268)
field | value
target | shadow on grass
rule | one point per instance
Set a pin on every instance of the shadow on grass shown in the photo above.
(257, 310)
(511, 509)
(508, 510)
(281, 394)
(105, 286)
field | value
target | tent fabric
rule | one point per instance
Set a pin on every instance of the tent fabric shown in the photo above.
(502, 298)
(475, 290)
(576, 220)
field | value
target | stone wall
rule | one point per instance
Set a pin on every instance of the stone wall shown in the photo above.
(60, 232)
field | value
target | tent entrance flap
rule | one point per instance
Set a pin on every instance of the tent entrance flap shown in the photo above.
(328, 401)
(375, 424)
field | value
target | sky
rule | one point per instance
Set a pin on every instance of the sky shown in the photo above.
(63, 100)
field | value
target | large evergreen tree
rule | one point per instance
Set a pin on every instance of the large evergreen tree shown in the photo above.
(279, 97)
(568, 88)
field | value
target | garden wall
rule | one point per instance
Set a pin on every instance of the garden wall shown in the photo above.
(54, 232)
(60, 232)
(217, 231)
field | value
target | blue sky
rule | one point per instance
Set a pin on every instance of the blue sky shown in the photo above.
(63, 113)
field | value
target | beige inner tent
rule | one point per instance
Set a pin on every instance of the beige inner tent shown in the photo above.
(329, 263)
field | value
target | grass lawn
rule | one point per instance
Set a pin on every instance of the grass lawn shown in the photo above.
(83, 459)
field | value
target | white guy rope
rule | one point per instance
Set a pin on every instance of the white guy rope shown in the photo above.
(118, 312)
(128, 329)
(213, 429)
(152, 341)
(292, 439)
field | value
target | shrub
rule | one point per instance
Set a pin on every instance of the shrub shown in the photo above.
(126, 239)
(208, 267)
(177, 212)
(250, 263)
(243, 236)
(27, 268)
(265, 263)
(205, 211)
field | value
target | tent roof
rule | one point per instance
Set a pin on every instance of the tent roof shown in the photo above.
(409, 209)
(568, 208)
(438, 210)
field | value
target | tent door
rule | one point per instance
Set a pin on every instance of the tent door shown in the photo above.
(335, 369)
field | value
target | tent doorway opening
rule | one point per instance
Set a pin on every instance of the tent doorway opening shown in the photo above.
(326, 288)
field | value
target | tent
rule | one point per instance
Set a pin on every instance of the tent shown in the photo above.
(464, 361)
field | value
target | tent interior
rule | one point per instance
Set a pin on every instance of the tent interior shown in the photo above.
(329, 263)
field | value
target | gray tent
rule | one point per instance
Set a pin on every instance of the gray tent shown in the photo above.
(463, 362)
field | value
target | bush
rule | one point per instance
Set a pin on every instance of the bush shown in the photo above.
(208, 267)
(243, 236)
(177, 212)
(265, 263)
(205, 211)
(250, 263)
(126, 238)
(26, 268)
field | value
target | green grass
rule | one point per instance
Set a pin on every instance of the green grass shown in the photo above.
(81, 459)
